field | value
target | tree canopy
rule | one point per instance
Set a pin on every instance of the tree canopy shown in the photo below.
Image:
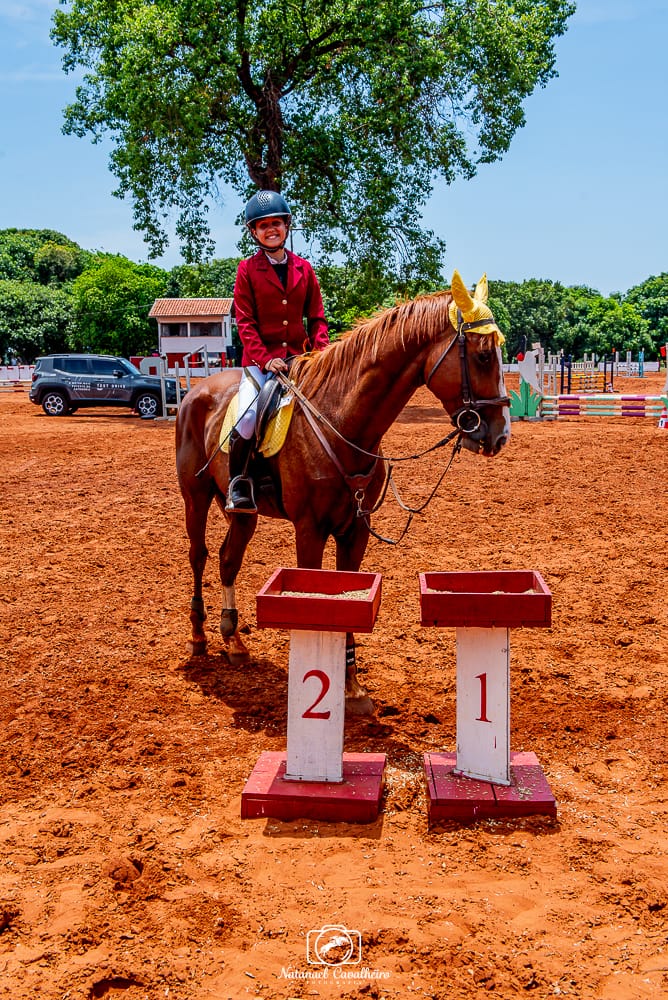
(212, 279)
(573, 319)
(112, 299)
(44, 308)
(34, 319)
(651, 299)
(351, 108)
(42, 255)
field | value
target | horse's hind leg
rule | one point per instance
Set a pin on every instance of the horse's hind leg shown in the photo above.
(239, 534)
(197, 510)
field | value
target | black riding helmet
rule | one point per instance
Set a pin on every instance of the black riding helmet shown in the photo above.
(266, 205)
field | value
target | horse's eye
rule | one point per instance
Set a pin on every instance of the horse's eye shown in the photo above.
(484, 358)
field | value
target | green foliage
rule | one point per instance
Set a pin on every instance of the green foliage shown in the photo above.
(57, 263)
(106, 307)
(34, 319)
(352, 292)
(575, 320)
(212, 279)
(350, 107)
(39, 255)
(651, 300)
(112, 299)
(615, 326)
(533, 309)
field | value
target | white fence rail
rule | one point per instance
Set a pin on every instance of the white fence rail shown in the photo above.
(16, 373)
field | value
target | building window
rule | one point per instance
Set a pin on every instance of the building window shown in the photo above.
(206, 330)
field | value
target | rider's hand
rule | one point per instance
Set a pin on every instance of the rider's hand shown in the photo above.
(277, 365)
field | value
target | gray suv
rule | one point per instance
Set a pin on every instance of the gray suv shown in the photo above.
(61, 383)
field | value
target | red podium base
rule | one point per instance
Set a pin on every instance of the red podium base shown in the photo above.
(356, 799)
(454, 797)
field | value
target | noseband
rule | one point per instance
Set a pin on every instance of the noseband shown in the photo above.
(467, 418)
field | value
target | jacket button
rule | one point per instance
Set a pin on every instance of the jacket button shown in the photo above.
(285, 302)
(284, 344)
(285, 322)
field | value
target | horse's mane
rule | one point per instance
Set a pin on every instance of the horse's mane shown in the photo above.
(413, 322)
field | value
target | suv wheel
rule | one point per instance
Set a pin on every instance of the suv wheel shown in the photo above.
(55, 404)
(148, 405)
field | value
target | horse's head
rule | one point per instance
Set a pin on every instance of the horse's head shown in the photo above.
(466, 373)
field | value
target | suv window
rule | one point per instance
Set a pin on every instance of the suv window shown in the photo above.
(75, 366)
(107, 366)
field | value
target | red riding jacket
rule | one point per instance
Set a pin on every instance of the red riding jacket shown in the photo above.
(271, 318)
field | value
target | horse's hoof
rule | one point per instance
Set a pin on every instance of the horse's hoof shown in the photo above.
(196, 648)
(360, 705)
(238, 659)
(236, 650)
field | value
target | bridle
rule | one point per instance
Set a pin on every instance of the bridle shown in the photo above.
(467, 418)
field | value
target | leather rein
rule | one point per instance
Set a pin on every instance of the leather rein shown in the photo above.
(467, 420)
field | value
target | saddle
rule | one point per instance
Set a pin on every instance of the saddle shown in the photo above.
(274, 413)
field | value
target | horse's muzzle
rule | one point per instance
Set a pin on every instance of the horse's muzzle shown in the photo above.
(480, 436)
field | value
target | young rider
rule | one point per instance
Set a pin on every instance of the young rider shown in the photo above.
(279, 313)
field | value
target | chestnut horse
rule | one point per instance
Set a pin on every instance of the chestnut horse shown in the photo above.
(359, 385)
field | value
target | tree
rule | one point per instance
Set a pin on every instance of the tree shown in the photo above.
(615, 326)
(24, 255)
(351, 108)
(651, 300)
(574, 334)
(574, 320)
(112, 302)
(57, 263)
(535, 313)
(34, 319)
(352, 291)
(211, 279)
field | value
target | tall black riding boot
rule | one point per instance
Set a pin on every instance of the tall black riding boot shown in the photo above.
(240, 497)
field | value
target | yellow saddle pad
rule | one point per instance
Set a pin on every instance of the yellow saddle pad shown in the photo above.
(273, 438)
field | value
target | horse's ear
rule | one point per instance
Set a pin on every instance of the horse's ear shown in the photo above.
(460, 293)
(481, 290)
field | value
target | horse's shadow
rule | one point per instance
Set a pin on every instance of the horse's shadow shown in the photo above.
(256, 692)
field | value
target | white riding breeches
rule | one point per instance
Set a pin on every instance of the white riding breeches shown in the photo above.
(252, 381)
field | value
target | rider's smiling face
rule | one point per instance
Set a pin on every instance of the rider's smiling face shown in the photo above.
(272, 230)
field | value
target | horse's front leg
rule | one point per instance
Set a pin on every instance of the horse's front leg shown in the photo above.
(232, 551)
(197, 503)
(350, 549)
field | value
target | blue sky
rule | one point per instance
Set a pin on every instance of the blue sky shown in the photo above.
(581, 196)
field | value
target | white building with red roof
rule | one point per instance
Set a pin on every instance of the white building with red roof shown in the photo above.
(188, 327)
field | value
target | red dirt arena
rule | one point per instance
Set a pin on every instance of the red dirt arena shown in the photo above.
(126, 870)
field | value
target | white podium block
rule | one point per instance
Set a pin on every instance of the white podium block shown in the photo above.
(484, 779)
(314, 779)
(483, 704)
(316, 706)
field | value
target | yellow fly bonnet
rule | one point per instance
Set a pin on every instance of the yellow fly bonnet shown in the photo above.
(473, 308)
